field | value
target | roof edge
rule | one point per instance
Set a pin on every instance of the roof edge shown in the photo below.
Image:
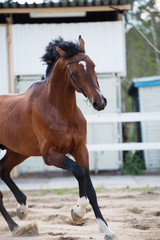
(15, 7)
(146, 79)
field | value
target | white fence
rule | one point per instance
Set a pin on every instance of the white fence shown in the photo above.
(123, 117)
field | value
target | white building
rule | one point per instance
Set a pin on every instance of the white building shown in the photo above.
(147, 92)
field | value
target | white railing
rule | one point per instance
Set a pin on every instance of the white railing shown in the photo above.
(123, 117)
(123, 146)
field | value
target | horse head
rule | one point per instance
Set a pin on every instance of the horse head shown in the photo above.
(81, 75)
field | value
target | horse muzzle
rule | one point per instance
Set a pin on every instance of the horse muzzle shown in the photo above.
(100, 105)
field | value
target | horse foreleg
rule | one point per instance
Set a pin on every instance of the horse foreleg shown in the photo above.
(81, 156)
(103, 226)
(12, 225)
(9, 161)
(61, 161)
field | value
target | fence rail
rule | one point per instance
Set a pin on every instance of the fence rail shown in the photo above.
(123, 117)
(123, 146)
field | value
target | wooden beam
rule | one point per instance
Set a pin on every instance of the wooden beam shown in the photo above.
(63, 9)
(9, 54)
(3, 24)
(119, 17)
(11, 80)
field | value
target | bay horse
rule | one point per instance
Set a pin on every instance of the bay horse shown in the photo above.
(46, 121)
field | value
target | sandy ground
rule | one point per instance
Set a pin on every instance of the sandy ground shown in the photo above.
(132, 214)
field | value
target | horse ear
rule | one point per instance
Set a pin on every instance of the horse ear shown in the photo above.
(60, 51)
(81, 43)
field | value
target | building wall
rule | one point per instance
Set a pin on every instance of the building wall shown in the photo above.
(3, 61)
(150, 102)
(105, 44)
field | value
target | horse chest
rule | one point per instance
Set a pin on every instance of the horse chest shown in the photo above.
(67, 137)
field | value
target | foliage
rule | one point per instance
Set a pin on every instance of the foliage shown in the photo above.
(142, 59)
(133, 164)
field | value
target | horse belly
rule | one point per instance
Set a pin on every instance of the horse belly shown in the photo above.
(17, 142)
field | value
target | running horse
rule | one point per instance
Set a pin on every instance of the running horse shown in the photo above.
(46, 121)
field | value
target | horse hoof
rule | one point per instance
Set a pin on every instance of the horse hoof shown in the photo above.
(79, 210)
(15, 228)
(22, 211)
(113, 237)
(107, 237)
(75, 216)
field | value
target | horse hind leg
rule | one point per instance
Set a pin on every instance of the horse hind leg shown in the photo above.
(9, 161)
(11, 224)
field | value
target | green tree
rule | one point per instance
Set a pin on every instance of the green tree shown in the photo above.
(142, 59)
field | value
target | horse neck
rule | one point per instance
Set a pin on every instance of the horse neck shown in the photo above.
(61, 96)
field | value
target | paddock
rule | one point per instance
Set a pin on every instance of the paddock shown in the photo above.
(131, 213)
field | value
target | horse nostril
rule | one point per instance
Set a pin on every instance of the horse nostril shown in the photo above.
(95, 105)
(105, 101)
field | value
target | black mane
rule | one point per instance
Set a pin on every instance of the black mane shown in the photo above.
(51, 55)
